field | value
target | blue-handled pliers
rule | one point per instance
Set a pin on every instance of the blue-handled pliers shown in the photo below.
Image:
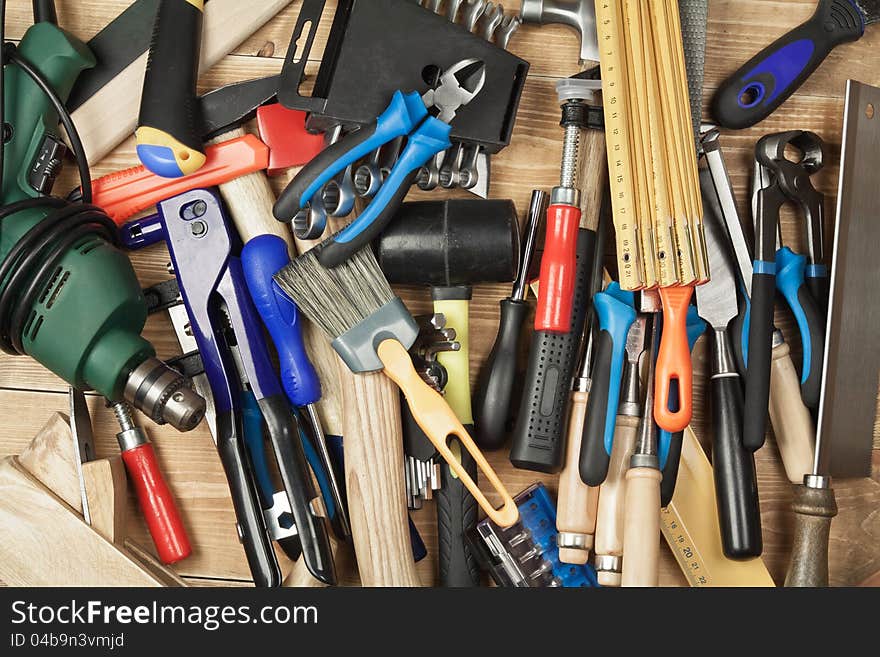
(801, 280)
(427, 134)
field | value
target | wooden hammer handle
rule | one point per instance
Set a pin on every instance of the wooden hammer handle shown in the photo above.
(374, 478)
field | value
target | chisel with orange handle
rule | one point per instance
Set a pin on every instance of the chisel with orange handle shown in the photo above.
(674, 367)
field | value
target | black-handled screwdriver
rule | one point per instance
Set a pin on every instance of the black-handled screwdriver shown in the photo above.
(495, 388)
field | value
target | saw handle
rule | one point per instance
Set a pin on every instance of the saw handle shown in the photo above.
(674, 361)
(814, 509)
(157, 503)
(767, 80)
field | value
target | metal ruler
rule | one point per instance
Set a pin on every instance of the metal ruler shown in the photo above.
(690, 527)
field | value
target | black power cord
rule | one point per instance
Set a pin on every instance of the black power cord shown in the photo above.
(33, 262)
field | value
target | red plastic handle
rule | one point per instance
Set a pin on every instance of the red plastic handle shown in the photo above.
(558, 270)
(674, 361)
(125, 193)
(157, 504)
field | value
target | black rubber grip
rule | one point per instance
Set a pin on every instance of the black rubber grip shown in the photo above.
(736, 483)
(456, 515)
(498, 377)
(768, 79)
(288, 203)
(811, 387)
(291, 547)
(670, 469)
(819, 287)
(248, 513)
(594, 459)
(757, 398)
(539, 435)
(169, 101)
(415, 442)
(332, 253)
(296, 477)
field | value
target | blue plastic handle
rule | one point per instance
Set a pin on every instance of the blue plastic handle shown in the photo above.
(695, 328)
(790, 278)
(402, 115)
(252, 427)
(616, 312)
(261, 258)
(432, 137)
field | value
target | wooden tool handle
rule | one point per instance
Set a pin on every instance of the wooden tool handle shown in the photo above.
(610, 514)
(814, 508)
(374, 476)
(577, 503)
(791, 420)
(438, 421)
(641, 528)
(249, 200)
(594, 177)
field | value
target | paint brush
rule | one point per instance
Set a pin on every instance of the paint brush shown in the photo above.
(372, 330)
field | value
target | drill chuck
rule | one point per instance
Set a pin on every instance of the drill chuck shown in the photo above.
(164, 395)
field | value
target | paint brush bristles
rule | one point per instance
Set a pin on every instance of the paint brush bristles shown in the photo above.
(336, 299)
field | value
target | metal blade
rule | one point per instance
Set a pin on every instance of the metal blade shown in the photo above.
(230, 106)
(852, 354)
(716, 300)
(83, 442)
(871, 10)
(721, 201)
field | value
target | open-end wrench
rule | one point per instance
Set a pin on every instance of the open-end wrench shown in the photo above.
(492, 17)
(472, 12)
(509, 25)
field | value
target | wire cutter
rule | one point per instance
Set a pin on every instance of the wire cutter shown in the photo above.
(227, 329)
(409, 115)
(802, 280)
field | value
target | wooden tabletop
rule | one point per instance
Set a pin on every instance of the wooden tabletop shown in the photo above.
(737, 29)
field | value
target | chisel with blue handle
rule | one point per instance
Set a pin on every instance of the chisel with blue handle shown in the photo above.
(616, 312)
(767, 80)
(169, 141)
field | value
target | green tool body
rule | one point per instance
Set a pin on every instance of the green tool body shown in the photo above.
(85, 322)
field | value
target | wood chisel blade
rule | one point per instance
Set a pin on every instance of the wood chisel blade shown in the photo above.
(852, 355)
(716, 300)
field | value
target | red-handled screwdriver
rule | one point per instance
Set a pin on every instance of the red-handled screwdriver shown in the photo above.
(556, 293)
(154, 497)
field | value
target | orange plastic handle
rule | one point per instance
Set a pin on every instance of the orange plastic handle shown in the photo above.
(674, 361)
(125, 193)
(439, 422)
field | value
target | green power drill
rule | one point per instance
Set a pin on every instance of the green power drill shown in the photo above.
(68, 297)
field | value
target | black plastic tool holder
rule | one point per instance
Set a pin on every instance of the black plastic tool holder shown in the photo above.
(377, 47)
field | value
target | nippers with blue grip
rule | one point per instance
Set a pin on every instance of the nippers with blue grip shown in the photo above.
(804, 283)
(409, 115)
(615, 310)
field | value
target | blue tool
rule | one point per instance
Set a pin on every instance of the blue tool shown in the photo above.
(767, 80)
(261, 257)
(615, 309)
(525, 554)
(803, 281)
(408, 116)
(227, 328)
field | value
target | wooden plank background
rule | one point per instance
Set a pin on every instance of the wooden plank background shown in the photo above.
(28, 393)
